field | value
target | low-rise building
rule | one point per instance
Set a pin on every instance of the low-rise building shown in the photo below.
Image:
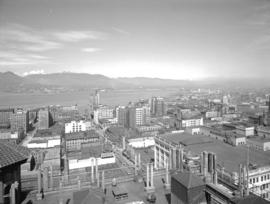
(74, 141)
(236, 139)
(263, 131)
(77, 126)
(259, 143)
(245, 130)
(141, 142)
(43, 143)
(15, 137)
(103, 159)
(191, 122)
(259, 181)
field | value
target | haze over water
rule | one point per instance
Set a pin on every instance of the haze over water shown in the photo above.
(112, 97)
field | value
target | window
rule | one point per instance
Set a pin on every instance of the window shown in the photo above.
(261, 178)
(257, 179)
(253, 180)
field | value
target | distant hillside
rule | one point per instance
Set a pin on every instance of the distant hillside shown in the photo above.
(75, 80)
(10, 82)
(154, 82)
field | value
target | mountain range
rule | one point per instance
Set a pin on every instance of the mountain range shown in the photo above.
(67, 81)
(10, 82)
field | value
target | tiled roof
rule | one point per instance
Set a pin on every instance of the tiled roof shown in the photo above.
(251, 199)
(188, 179)
(10, 154)
(21, 149)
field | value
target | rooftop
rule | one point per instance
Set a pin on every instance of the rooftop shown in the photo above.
(82, 135)
(135, 192)
(11, 154)
(251, 199)
(259, 139)
(226, 152)
(187, 179)
(186, 139)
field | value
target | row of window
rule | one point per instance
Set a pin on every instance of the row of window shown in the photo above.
(263, 178)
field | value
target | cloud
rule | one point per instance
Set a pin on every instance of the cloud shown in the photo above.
(75, 36)
(15, 58)
(91, 49)
(19, 44)
(17, 37)
(119, 30)
(41, 71)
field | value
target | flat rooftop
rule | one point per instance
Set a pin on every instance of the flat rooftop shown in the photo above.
(230, 157)
(186, 139)
(259, 139)
(135, 193)
(227, 155)
(82, 135)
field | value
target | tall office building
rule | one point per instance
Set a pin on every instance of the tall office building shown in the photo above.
(138, 116)
(158, 107)
(103, 112)
(43, 119)
(122, 115)
(5, 117)
(96, 99)
(19, 120)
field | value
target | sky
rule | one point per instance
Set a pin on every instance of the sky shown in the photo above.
(174, 39)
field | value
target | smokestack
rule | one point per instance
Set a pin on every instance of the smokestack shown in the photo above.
(136, 165)
(51, 177)
(240, 180)
(206, 163)
(152, 175)
(247, 186)
(92, 171)
(103, 181)
(147, 176)
(245, 181)
(215, 169)
(181, 160)
(39, 180)
(124, 143)
(210, 163)
(45, 179)
(202, 168)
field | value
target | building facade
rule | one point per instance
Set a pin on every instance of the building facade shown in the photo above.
(121, 115)
(19, 120)
(192, 122)
(43, 119)
(77, 126)
(5, 117)
(103, 112)
(158, 107)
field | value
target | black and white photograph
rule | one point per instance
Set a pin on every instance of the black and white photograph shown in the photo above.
(134, 101)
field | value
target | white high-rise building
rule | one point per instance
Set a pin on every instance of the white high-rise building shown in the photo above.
(103, 112)
(77, 126)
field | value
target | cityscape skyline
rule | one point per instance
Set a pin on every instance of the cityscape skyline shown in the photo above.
(162, 39)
